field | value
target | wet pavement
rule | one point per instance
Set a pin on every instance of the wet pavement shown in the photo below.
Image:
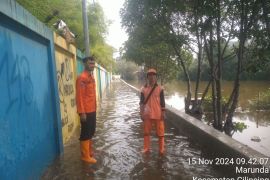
(118, 143)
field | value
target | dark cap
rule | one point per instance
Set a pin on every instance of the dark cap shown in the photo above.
(89, 58)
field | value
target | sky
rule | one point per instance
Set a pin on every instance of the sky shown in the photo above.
(117, 35)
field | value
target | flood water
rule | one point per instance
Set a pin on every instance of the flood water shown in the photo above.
(118, 144)
(257, 122)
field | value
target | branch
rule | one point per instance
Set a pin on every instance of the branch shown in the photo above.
(229, 38)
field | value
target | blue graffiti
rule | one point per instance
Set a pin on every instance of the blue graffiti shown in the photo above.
(15, 74)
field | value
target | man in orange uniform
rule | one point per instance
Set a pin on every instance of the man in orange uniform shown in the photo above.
(86, 108)
(152, 110)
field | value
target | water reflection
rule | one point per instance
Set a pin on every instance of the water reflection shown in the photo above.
(176, 101)
(258, 124)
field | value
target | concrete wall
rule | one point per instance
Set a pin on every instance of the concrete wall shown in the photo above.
(103, 80)
(79, 56)
(65, 59)
(38, 70)
(30, 133)
(102, 76)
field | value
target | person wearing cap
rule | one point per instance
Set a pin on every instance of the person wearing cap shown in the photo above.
(152, 110)
(86, 108)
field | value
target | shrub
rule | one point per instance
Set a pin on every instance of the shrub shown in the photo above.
(261, 102)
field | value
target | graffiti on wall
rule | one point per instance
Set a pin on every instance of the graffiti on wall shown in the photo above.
(15, 75)
(66, 90)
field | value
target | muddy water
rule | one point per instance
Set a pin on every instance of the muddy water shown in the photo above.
(118, 145)
(257, 122)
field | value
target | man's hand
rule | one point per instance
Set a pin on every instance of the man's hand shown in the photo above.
(83, 117)
(141, 111)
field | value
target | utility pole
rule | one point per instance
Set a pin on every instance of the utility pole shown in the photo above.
(85, 28)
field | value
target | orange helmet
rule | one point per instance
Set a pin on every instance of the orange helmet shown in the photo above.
(151, 71)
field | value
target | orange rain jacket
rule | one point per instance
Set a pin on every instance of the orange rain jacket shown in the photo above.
(155, 104)
(86, 93)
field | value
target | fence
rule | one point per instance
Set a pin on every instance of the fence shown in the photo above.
(38, 70)
(30, 133)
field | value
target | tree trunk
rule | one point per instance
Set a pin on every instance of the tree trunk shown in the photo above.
(205, 92)
(247, 19)
(228, 126)
(196, 106)
(182, 65)
(219, 69)
(213, 78)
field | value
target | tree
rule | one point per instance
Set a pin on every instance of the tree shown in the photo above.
(127, 69)
(207, 28)
(152, 19)
(70, 11)
(250, 19)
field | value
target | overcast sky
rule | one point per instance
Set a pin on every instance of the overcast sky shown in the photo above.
(111, 8)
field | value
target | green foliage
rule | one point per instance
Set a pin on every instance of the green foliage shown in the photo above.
(126, 69)
(178, 23)
(262, 101)
(230, 39)
(207, 103)
(151, 42)
(70, 11)
(255, 69)
(103, 53)
(97, 24)
(240, 126)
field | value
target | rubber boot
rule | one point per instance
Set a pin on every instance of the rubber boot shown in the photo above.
(146, 145)
(91, 152)
(85, 152)
(161, 145)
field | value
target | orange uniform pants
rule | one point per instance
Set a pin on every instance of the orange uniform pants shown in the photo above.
(159, 126)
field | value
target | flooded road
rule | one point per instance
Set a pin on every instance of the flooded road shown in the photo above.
(119, 142)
